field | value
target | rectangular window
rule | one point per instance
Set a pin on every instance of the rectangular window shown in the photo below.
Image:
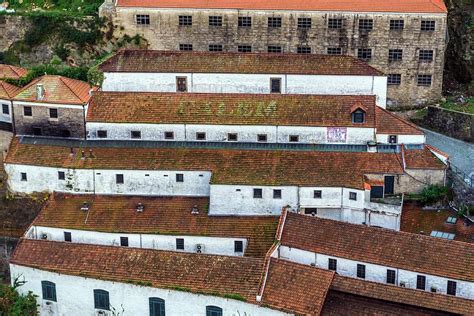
(181, 84)
(335, 23)
(157, 306)
(185, 47)
(366, 24)
(392, 139)
(124, 241)
(119, 178)
(5, 109)
(311, 211)
(179, 177)
(275, 85)
(303, 50)
(353, 196)
(424, 80)
(101, 300)
(245, 21)
(361, 271)
(27, 111)
(169, 135)
(142, 19)
(49, 290)
(102, 134)
(294, 138)
(215, 20)
(244, 48)
(238, 246)
(332, 264)
(317, 194)
(200, 136)
(274, 49)
(179, 244)
(257, 193)
(277, 194)
(262, 138)
(215, 48)
(185, 20)
(274, 22)
(136, 134)
(37, 131)
(390, 276)
(420, 282)
(425, 55)
(334, 51)
(397, 24)
(304, 23)
(53, 113)
(364, 53)
(23, 176)
(232, 137)
(394, 79)
(395, 55)
(358, 116)
(61, 175)
(451, 289)
(428, 25)
(67, 236)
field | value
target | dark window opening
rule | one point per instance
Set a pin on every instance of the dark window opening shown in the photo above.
(361, 271)
(215, 48)
(335, 23)
(179, 177)
(392, 139)
(169, 135)
(181, 84)
(179, 243)
(364, 53)
(185, 20)
(358, 116)
(366, 24)
(101, 299)
(245, 21)
(157, 306)
(451, 289)
(303, 50)
(424, 80)
(334, 51)
(61, 175)
(425, 55)
(274, 49)
(142, 19)
(238, 246)
(332, 264)
(394, 79)
(304, 23)
(311, 211)
(37, 131)
(294, 138)
(244, 48)
(49, 290)
(353, 196)
(232, 137)
(262, 138)
(274, 22)
(213, 311)
(124, 241)
(257, 193)
(186, 47)
(317, 194)
(201, 136)
(395, 55)
(397, 24)
(390, 276)
(119, 178)
(67, 236)
(23, 176)
(428, 25)
(136, 134)
(277, 194)
(5, 109)
(420, 282)
(102, 134)
(275, 85)
(27, 111)
(215, 21)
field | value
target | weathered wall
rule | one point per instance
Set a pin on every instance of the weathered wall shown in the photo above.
(452, 123)
(12, 28)
(7, 245)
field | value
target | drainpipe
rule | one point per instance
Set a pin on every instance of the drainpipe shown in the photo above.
(84, 119)
(93, 181)
(286, 83)
(185, 132)
(13, 118)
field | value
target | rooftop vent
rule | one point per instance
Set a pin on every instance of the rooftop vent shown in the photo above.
(85, 206)
(39, 91)
(371, 147)
(140, 207)
(195, 210)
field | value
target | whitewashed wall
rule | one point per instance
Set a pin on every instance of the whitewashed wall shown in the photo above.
(210, 245)
(7, 118)
(122, 131)
(374, 272)
(402, 139)
(77, 294)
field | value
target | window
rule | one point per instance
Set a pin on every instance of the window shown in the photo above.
(444, 235)
(420, 282)
(244, 48)
(37, 131)
(262, 138)
(61, 175)
(353, 196)
(277, 194)
(179, 243)
(395, 54)
(364, 53)
(179, 177)
(124, 241)
(136, 134)
(213, 311)
(238, 246)
(215, 20)
(27, 111)
(304, 23)
(275, 85)
(392, 139)
(397, 24)
(157, 306)
(294, 138)
(23, 176)
(425, 55)
(274, 49)
(67, 236)
(200, 136)
(303, 50)
(119, 178)
(361, 271)
(334, 51)
(102, 134)
(169, 135)
(185, 20)
(245, 21)
(390, 276)
(317, 194)
(428, 25)
(358, 116)
(332, 264)
(274, 22)
(232, 137)
(186, 47)
(215, 48)
(101, 299)
(257, 193)
(181, 84)
(311, 211)
(394, 79)
(49, 290)
(5, 109)
(142, 19)
(335, 23)
(451, 289)
(451, 220)
(424, 80)
(366, 24)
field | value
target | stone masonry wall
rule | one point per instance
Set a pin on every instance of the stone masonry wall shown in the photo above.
(452, 123)
(163, 32)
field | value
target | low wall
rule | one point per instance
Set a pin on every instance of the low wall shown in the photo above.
(451, 123)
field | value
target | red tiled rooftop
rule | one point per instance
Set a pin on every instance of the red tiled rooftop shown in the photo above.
(12, 72)
(390, 123)
(402, 6)
(7, 91)
(422, 159)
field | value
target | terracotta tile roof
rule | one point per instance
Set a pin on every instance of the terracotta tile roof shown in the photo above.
(297, 288)
(423, 254)
(244, 167)
(412, 297)
(7, 91)
(422, 159)
(230, 109)
(390, 123)
(12, 72)
(199, 273)
(58, 89)
(417, 6)
(162, 215)
(227, 62)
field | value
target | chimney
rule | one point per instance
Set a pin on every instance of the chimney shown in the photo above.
(371, 147)
(195, 210)
(140, 207)
(71, 151)
(39, 92)
(91, 155)
(85, 206)
(83, 154)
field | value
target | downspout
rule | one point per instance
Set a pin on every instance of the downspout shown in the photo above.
(185, 132)
(93, 181)
(286, 83)
(84, 118)
(13, 119)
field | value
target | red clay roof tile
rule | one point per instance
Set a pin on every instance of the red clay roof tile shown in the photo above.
(390, 123)
(7, 91)
(12, 72)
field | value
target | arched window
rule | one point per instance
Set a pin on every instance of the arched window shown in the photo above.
(358, 116)
(49, 290)
(213, 311)
(157, 306)
(101, 299)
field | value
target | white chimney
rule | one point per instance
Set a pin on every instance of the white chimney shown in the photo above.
(39, 92)
(371, 147)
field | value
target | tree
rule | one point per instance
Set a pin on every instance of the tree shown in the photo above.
(13, 303)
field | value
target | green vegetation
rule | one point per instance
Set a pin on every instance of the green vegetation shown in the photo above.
(467, 107)
(79, 7)
(434, 193)
(79, 73)
(237, 297)
(13, 303)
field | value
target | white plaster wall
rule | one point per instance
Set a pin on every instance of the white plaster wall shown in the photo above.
(122, 131)
(318, 135)
(218, 133)
(235, 83)
(402, 139)
(380, 90)
(146, 82)
(210, 245)
(133, 298)
(6, 117)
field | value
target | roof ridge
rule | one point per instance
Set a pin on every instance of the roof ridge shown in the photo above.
(400, 119)
(63, 80)
(436, 4)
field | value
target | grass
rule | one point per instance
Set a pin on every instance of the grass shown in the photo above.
(467, 107)
(82, 7)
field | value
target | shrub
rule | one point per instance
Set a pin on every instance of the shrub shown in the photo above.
(433, 193)
(16, 304)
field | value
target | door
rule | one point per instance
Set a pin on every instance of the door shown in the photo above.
(376, 192)
(389, 184)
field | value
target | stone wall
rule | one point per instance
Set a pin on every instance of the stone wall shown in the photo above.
(7, 245)
(451, 123)
(12, 28)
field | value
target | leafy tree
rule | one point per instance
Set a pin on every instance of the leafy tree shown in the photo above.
(13, 303)
(434, 193)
